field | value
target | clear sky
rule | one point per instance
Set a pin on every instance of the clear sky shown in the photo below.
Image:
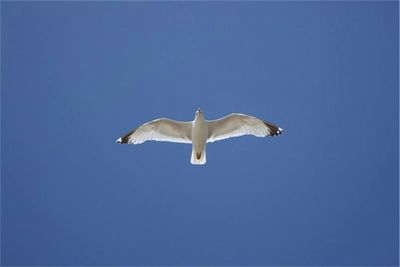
(75, 76)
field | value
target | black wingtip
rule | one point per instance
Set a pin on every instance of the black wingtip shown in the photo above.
(274, 130)
(125, 139)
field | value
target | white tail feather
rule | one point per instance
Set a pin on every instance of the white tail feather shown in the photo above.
(201, 160)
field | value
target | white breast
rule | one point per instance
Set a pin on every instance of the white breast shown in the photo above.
(199, 133)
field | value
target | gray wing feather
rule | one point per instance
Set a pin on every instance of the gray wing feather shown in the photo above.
(159, 130)
(237, 124)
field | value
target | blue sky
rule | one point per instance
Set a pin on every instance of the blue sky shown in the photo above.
(77, 75)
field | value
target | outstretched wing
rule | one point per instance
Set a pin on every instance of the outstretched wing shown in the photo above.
(159, 130)
(237, 124)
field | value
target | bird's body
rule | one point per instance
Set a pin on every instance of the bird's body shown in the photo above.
(199, 132)
(199, 140)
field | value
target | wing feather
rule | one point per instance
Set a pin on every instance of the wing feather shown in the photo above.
(237, 124)
(159, 130)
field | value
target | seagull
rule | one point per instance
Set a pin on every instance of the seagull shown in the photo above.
(199, 132)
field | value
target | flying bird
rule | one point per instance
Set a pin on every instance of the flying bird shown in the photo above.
(199, 132)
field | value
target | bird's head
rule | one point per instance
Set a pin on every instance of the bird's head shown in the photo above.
(199, 113)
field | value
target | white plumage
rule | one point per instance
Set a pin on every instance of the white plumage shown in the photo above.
(200, 131)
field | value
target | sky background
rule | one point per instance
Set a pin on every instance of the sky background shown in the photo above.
(75, 76)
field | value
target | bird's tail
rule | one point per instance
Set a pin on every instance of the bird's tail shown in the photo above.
(198, 158)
